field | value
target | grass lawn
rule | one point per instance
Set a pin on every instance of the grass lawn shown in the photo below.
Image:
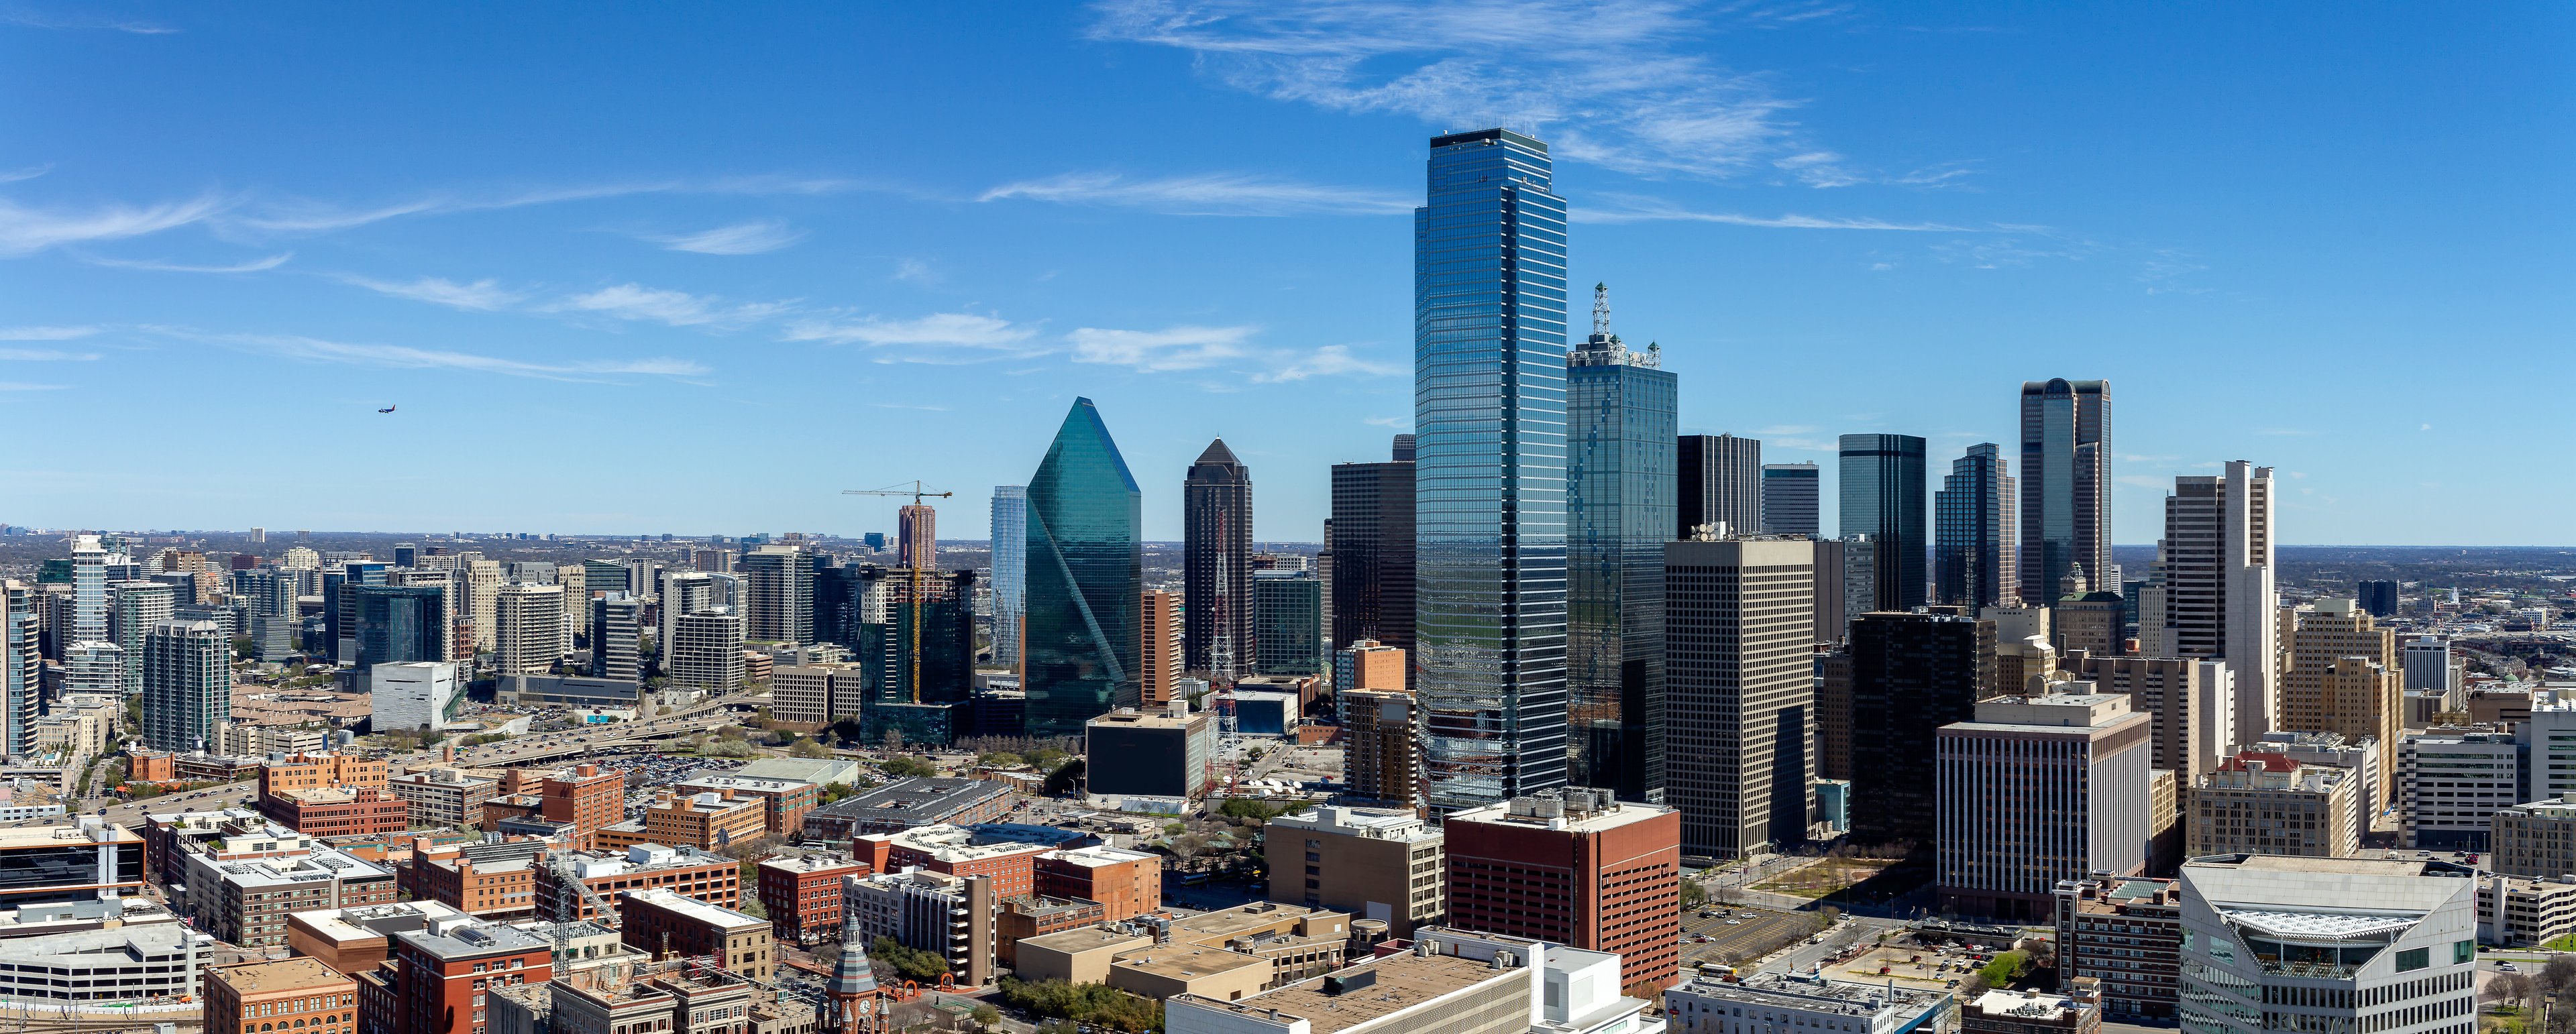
(1824, 877)
(2566, 943)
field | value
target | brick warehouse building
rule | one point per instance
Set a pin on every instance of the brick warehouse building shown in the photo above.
(1576, 867)
(588, 797)
(443, 973)
(301, 993)
(803, 896)
(1125, 883)
(339, 812)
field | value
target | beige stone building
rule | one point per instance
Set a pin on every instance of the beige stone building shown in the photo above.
(2269, 804)
(2535, 839)
(2191, 703)
(2340, 673)
(1381, 864)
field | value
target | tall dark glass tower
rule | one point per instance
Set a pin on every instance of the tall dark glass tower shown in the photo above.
(1972, 535)
(1620, 484)
(2065, 482)
(1086, 579)
(1216, 565)
(1911, 675)
(1489, 470)
(1372, 529)
(395, 624)
(1882, 497)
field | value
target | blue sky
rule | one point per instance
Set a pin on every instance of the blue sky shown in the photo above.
(697, 269)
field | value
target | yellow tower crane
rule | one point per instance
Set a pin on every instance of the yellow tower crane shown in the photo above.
(917, 573)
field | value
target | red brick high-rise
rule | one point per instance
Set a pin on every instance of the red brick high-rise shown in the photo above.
(1574, 867)
(442, 973)
(588, 797)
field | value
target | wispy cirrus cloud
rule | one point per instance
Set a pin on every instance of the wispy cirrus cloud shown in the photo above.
(34, 20)
(1158, 351)
(677, 308)
(1631, 208)
(943, 337)
(45, 333)
(1209, 194)
(28, 173)
(25, 386)
(45, 355)
(1327, 361)
(252, 266)
(26, 231)
(480, 296)
(751, 238)
(408, 358)
(1620, 83)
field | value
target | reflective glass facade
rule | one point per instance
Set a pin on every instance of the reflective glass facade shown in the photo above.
(1972, 537)
(1621, 483)
(1489, 474)
(2065, 483)
(1010, 570)
(1882, 497)
(1085, 579)
(398, 623)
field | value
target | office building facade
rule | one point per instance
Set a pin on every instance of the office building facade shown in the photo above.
(2036, 790)
(2340, 673)
(1882, 497)
(1288, 623)
(1372, 530)
(779, 588)
(528, 628)
(2065, 482)
(187, 684)
(1973, 556)
(1621, 409)
(1792, 495)
(2276, 943)
(1911, 674)
(2219, 596)
(1604, 873)
(1010, 534)
(1085, 579)
(1722, 480)
(1739, 688)
(1489, 472)
(617, 637)
(1216, 565)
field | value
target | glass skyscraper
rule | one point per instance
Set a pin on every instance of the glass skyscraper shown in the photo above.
(1882, 497)
(1086, 579)
(2065, 483)
(1621, 496)
(1010, 570)
(1217, 626)
(1489, 473)
(1972, 535)
(394, 624)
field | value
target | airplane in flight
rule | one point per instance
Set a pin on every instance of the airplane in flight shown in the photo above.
(387, 409)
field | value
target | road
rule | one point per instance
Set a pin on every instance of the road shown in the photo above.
(1743, 934)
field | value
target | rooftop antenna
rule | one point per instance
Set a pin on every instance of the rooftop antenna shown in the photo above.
(1600, 310)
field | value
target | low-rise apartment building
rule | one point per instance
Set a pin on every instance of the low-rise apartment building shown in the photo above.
(445, 797)
(714, 879)
(802, 894)
(784, 802)
(665, 925)
(2127, 933)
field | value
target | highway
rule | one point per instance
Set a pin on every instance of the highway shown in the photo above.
(519, 751)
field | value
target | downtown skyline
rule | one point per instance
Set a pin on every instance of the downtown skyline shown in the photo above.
(532, 263)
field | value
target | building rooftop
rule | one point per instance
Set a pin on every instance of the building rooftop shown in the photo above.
(88, 831)
(640, 858)
(2553, 808)
(1088, 938)
(373, 922)
(1373, 823)
(1811, 994)
(2026, 1005)
(463, 939)
(1228, 922)
(806, 864)
(1097, 856)
(691, 908)
(705, 781)
(1186, 961)
(920, 800)
(83, 947)
(1574, 809)
(951, 844)
(708, 804)
(816, 770)
(1398, 982)
(320, 865)
(1143, 720)
(294, 974)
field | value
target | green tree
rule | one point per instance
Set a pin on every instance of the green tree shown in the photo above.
(2005, 968)
(1694, 896)
(986, 1016)
(909, 768)
(910, 963)
(808, 749)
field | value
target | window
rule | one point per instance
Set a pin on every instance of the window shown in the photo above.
(2413, 959)
(2464, 952)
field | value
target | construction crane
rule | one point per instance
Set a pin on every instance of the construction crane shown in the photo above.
(917, 572)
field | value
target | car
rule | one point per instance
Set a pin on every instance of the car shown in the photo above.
(1735, 922)
(1708, 915)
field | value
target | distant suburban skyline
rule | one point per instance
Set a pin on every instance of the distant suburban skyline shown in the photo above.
(697, 270)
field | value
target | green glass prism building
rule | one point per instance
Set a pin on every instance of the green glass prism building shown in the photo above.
(1085, 579)
(1489, 366)
(1622, 489)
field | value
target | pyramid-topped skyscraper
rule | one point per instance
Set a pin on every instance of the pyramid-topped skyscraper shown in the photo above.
(1086, 576)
